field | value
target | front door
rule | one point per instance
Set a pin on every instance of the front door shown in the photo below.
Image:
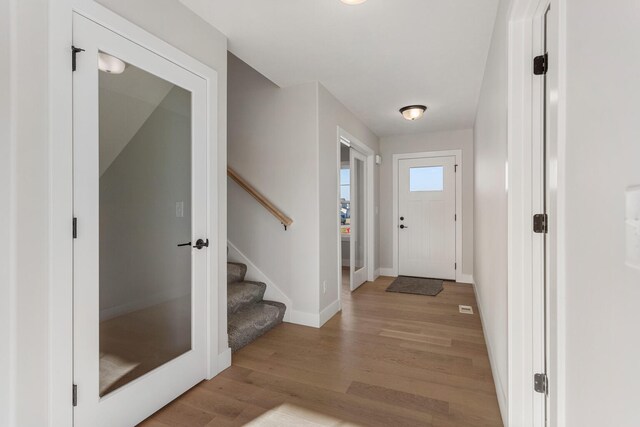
(140, 205)
(427, 217)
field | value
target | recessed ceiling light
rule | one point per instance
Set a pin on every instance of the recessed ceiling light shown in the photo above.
(110, 64)
(353, 1)
(413, 112)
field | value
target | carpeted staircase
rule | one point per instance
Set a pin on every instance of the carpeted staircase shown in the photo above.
(249, 316)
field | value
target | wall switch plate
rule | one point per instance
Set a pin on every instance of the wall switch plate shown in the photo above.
(632, 225)
(465, 309)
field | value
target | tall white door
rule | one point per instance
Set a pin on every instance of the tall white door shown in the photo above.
(140, 168)
(427, 222)
(358, 253)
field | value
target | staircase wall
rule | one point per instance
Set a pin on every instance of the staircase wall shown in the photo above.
(284, 142)
(273, 145)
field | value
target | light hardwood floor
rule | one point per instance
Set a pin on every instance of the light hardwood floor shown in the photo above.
(387, 360)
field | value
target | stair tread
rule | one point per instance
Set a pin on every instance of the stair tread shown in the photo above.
(243, 294)
(253, 321)
(236, 272)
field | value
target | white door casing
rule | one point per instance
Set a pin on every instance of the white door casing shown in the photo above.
(427, 217)
(138, 399)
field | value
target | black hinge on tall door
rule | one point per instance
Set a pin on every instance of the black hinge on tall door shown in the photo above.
(540, 383)
(455, 266)
(540, 223)
(455, 168)
(74, 397)
(75, 228)
(74, 52)
(540, 64)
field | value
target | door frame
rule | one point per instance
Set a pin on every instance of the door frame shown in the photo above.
(61, 202)
(345, 138)
(460, 277)
(526, 315)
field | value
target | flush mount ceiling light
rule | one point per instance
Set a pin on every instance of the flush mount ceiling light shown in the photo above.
(353, 1)
(413, 112)
(110, 64)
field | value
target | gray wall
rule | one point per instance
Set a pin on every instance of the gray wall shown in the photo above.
(140, 264)
(273, 145)
(332, 114)
(435, 141)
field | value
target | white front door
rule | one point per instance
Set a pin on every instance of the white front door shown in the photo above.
(427, 222)
(358, 242)
(140, 190)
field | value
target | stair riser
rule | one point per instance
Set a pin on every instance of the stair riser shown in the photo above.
(236, 272)
(243, 295)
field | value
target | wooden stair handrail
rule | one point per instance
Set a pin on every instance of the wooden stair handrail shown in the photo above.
(284, 220)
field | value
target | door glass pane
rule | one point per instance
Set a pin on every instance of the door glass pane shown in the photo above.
(426, 178)
(145, 212)
(359, 211)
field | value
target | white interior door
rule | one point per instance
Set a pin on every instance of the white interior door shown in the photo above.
(427, 209)
(358, 267)
(140, 190)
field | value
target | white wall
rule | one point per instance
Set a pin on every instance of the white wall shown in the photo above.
(41, 32)
(602, 160)
(6, 216)
(331, 115)
(435, 141)
(490, 212)
(273, 145)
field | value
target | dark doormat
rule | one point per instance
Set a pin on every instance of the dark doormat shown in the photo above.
(416, 285)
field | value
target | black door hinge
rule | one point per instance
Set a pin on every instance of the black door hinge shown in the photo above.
(455, 266)
(455, 168)
(540, 223)
(74, 52)
(540, 383)
(74, 397)
(540, 64)
(75, 228)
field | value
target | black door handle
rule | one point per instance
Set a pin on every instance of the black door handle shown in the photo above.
(403, 226)
(199, 244)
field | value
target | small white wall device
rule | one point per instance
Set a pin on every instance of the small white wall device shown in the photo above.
(632, 222)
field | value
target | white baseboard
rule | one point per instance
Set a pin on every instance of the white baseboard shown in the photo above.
(142, 303)
(304, 319)
(329, 312)
(464, 278)
(376, 273)
(387, 272)
(502, 397)
(273, 292)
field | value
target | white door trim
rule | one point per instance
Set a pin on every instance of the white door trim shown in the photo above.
(61, 200)
(525, 301)
(362, 148)
(460, 277)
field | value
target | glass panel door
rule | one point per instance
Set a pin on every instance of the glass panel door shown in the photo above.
(140, 201)
(358, 264)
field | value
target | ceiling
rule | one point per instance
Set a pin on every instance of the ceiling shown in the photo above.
(375, 57)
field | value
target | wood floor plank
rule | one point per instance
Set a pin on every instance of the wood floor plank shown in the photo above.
(387, 359)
